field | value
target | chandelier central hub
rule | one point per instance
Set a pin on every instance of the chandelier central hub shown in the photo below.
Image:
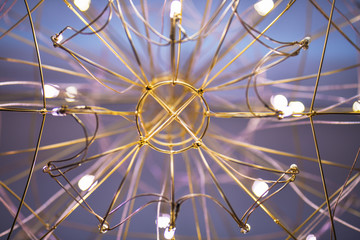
(172, 117)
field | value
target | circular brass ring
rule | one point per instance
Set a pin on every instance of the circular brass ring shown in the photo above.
(172, 147)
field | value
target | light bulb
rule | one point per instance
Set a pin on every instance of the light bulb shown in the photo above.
(259, 188)
(356, 106)
(71, 92)
(169, 233)
(297, 107)
(311, 237)
(163, 221)
(51, 91)
(279, 102)
(175, 8)
(86, 182)
(82, 5)
(286, 111)
(263, 7)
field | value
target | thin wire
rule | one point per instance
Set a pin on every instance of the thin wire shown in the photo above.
(291, 2)
(29, 175)
(116, 195)
(128, 35)
(77, 57)
(8, 9)
(41, 127)
(334, 25)
(105, 42)
(240, 184)
(134, 185)
(20, 20)
(221, 192)
(81, 31)
(51, 164)
(221, 41)
(65, 215)
(191, 190)
(346, 181)
(333, 233)
(169, 108)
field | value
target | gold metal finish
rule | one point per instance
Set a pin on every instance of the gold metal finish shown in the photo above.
(195, 132)
(135, 91)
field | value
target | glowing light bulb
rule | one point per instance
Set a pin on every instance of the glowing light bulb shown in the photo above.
(169, 233)
(311, 237)
(356, 106)
(279, 102)
(263, 7)
(71, 92)
(51, 91)
(86, 182)
(82, 5)
(297, 107)
(259, 188)
(163, 221)
(286, 111)
(175, 8)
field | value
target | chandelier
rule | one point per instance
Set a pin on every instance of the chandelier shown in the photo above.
(179, 119)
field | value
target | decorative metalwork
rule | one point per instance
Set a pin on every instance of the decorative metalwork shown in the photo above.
(172, 110)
